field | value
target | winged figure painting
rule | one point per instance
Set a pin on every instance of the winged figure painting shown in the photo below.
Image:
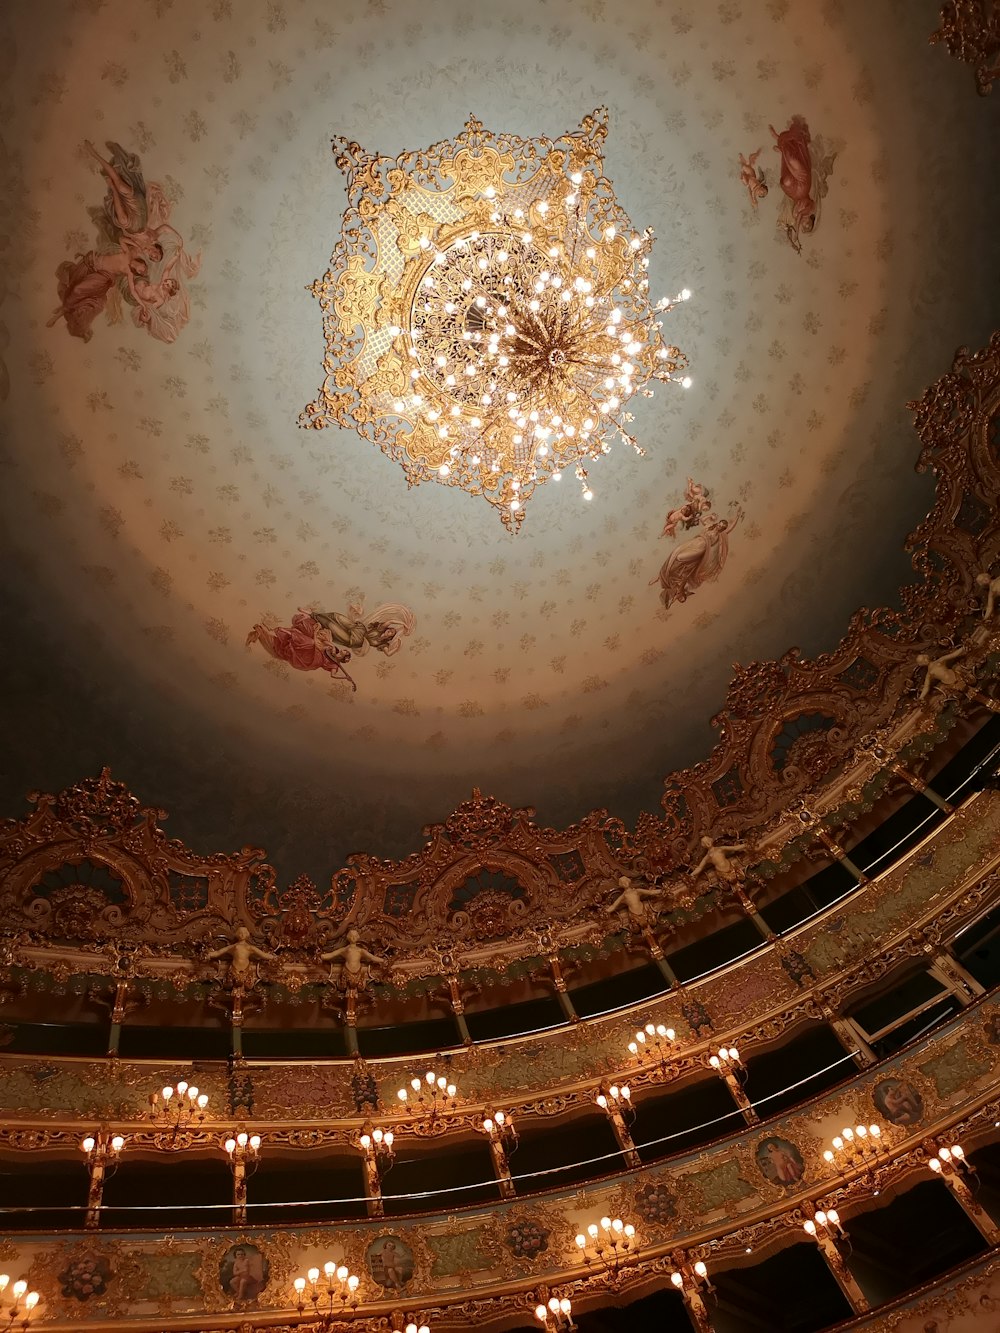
(327, 640)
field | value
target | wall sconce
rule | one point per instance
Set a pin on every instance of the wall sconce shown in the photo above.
(727, 1064)
(411, 1327)
(332, 1296)
(20, 1305)
(556, 1315)
(610, 1243)
(951, 1162)
(243, 1151)
(101, 1150)
(728, 1060)
(695, 1275)
(616, 1098)
(693, 1283)
(616, 1103)
(379, 1155)
(499, 1130)
(824, 1224)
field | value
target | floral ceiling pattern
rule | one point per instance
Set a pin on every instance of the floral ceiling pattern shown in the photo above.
(159, 500)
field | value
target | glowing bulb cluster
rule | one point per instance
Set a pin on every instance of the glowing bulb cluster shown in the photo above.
(502, 297)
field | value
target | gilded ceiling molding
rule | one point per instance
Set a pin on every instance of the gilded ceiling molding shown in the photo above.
(912, 911)
(970, 30)
(860, 702)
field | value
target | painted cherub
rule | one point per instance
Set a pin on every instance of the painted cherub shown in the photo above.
(753, 178)
(717, 857)
(697, 501)
(633, 899)
(353, 969)
(992, 586)
(241, 952)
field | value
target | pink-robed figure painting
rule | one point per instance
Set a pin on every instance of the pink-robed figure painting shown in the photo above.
(805, 166)
(326, 641)
(139, 258)
(699, 559)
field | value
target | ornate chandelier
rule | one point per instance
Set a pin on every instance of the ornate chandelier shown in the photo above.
(486, 312)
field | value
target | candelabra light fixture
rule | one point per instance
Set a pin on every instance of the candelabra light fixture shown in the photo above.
(17, 1306)
(855, 1148)
(487, 315)
(330, 1292)
(556, 1314)
(610, 1243)
(432, 1093)
(653, 1039)
(178, 1107)
(411, 1327)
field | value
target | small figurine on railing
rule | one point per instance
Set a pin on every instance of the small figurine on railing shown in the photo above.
(241, 953)
(939, 671)
(633, 900)
(717, 856)
(992, 586)
(356, 958)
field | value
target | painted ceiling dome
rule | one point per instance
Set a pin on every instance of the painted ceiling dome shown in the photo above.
(171, 195)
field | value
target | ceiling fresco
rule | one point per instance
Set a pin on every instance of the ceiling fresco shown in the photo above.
(176, 548)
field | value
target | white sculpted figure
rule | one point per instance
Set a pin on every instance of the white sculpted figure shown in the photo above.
(717, 857)
(992, 587)
(938, 670)
(632, 898)
(353, 969)
(240, 953)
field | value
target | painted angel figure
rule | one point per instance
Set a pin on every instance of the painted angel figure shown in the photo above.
(802, 180)
(383, 629)
(697, 501)
(139, 259)
(753, 178)
(326, 641)
(305, 645)
(698, 560)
